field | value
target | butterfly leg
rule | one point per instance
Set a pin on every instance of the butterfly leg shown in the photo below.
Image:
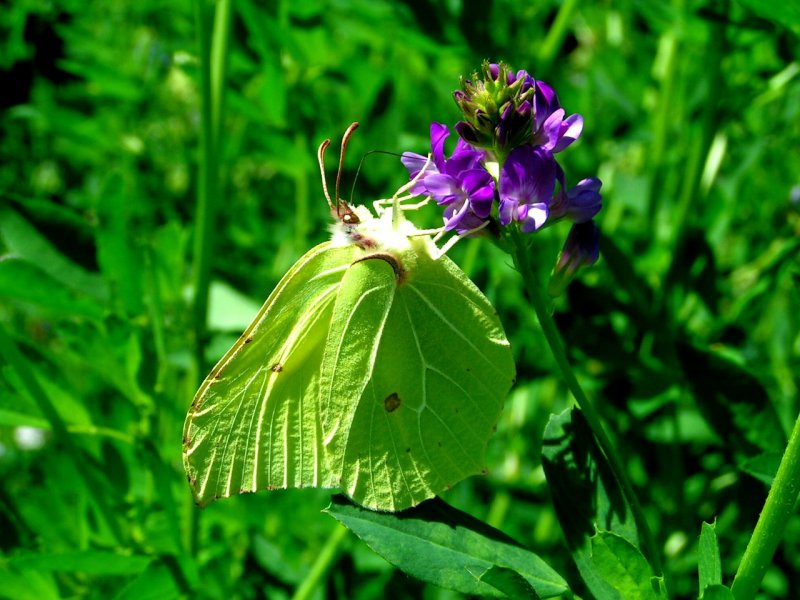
(452, 241)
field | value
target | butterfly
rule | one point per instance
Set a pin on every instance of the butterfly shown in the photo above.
(375, 366)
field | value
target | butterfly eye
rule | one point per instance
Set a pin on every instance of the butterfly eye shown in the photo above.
(350, 218)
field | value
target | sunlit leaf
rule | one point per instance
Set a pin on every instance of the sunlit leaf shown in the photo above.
(623, 567)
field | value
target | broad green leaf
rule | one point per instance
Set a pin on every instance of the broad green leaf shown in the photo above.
(372, 367)
(585, 493)
(623, 567)
(709, 567)
(763, 467)
(717, 592)
(162, 580)
(436, 543)
(27, 584)
(23, 241)
(23, 281)
(229, 309)
(733, 401)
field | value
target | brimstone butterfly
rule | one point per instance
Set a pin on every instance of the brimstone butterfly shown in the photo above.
(375, 366)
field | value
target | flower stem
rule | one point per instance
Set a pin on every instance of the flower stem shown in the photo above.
(556, 34)
(322, 564)
(553, 337)
(771, 525)
(213, 27)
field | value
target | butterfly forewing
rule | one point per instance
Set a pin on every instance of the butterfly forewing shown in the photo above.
(254, 423)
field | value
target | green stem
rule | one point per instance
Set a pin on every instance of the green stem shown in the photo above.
(772, 523)
(322, 565)
(14, 358)
(556, 34)
(206, 187)
(664, 116)
(536, 295)
(213, 32)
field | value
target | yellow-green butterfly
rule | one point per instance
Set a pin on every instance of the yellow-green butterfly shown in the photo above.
(375, 366)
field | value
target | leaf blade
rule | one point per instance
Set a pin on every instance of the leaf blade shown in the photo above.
(709, 567)
(444, 546)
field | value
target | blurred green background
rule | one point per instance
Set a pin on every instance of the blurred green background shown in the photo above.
(686, 332)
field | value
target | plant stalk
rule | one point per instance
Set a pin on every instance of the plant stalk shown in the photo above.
(213, 32)
(553, 337)
(771, 525)
(322, 564)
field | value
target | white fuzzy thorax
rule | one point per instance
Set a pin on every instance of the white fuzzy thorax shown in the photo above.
(379, 233)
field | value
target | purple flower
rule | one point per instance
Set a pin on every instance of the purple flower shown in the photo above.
(581, 249)
(527, 182)
(545, 103)
(579, 204)
(460, 183)
(550, 128)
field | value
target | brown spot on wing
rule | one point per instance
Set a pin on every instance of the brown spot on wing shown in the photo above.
(392, 402)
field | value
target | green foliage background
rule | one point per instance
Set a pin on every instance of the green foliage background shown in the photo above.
(686, 332)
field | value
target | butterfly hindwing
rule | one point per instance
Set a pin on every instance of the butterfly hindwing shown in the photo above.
(254, 423)
(410, 410)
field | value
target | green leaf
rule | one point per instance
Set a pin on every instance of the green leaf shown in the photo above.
(23, 281)
(717, 592)
(95, 562)
(229, 309)
(27, 584)
(23, 241)
(763, 467)
(709, 567)
(436, 543)
(775, 11)
(619, 264)
(585, 493)
(732, 400)
(162, 580)
(509, 582)
(10, 418)
(623, 567)
(120, 259)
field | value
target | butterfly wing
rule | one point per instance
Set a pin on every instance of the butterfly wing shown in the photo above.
(254, 423)
(414, 376)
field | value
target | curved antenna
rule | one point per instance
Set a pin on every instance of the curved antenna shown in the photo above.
(346, 138)
(321, 160)
(361, 164)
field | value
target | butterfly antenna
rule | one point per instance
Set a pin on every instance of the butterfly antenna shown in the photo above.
(346, 138)
(361, 164)
(321, 160)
